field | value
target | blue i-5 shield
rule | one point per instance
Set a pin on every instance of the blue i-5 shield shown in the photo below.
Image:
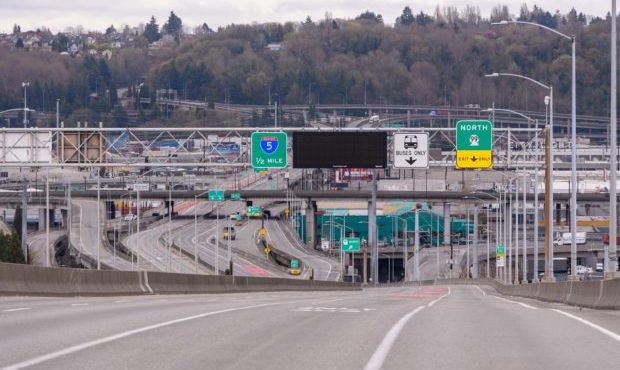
(269, 144)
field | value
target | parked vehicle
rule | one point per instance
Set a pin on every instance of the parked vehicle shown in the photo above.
(566, 238)
(130, 217)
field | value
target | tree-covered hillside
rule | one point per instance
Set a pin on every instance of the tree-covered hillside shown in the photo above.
(434, 59)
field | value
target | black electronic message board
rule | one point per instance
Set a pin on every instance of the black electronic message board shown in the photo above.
(339, 149)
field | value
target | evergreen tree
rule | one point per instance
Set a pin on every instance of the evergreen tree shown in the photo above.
(110, 30)
(407, 18)
(151, 31)
(17, 221)
(19, 43)
(368, 15)
(205, 28)
(174, 26)
(10, 250)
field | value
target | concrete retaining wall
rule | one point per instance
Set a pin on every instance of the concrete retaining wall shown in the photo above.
(16, 279)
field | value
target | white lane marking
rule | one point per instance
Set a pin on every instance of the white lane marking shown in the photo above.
(111, 338)
(440, 298)
(79, 304)
(515, 302)
(598, 328)
(17, 309)
(481, 291)
(377, 359)
(122, 301)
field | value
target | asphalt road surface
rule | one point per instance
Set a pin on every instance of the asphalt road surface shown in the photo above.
(438, 327)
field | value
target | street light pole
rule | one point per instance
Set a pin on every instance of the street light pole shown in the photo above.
(573, 199)
(196, 234)
(25, 85)
(611, 254)
(524, 279)
(548, 189)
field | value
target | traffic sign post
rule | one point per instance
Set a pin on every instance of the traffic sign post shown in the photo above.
(410, 150)
(500, 257)
(268, 150)
(474, 144)
(216, 195)
(350, 244)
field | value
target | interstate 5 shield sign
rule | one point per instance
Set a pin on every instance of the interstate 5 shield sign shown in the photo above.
(269, 150)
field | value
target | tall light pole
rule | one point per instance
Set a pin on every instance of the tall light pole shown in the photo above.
(611, 254)
(25, 85)
(549, 172)
(573, 187)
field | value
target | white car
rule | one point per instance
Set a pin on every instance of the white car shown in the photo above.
(130, 217)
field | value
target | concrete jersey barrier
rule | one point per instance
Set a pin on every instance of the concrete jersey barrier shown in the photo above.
(17, 279)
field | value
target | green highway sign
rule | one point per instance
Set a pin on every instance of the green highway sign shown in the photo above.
(499, 250)
(474, 135)
(268, 150)
(474, 144)
(350, 244)
(294, 263)
(235, 196)
(216, 195)
(253, 212)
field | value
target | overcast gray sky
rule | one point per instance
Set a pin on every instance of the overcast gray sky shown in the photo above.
(97, 15)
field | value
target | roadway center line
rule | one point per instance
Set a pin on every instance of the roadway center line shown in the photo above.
(598, 328)
(17, 309)
(111, 338)
(380, 354)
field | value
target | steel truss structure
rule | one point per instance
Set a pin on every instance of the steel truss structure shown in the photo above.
(140, 147)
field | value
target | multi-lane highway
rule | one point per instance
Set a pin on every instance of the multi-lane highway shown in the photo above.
(436, 327)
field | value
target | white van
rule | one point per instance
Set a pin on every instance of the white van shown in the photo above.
(374, 118)
(566, 238)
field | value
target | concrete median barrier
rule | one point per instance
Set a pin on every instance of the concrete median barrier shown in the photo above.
(16, 279)
(610, 295)
(584, 293)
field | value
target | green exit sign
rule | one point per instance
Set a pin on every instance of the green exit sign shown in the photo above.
(499, 251)
(350, 245)
(235, 196)
(253, 212)
(216, 195)
(294, 263)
